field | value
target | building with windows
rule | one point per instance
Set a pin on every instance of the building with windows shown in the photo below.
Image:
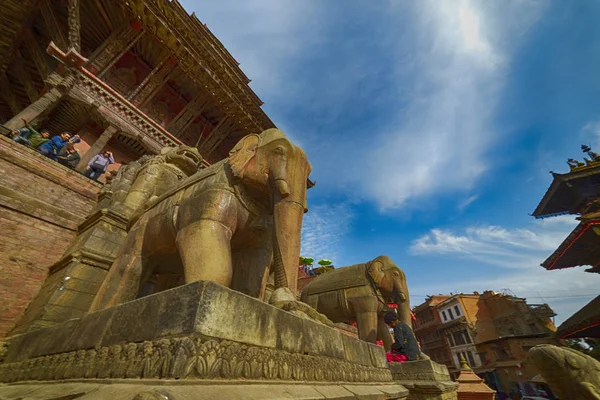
(491, 331)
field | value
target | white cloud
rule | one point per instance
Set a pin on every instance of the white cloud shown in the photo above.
(467, 202)
(451, 60)
(508, 248)
(442, 137)
(323, 231)
(511, 259)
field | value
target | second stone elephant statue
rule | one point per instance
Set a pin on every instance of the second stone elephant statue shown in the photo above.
(227, 224)
(361, 293)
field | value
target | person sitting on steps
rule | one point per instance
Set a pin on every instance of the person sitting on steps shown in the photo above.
(405, 347)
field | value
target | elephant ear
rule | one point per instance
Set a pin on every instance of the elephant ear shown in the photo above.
(242, 153)
(376, 271)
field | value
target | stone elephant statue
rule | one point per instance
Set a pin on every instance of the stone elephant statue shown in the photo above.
(361, 293)
(225, 224)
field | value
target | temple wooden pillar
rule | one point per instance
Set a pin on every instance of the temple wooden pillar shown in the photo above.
(96, 147)
(74, 26)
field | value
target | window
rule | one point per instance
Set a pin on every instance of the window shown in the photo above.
(444, 316)
(456, 310)
(533, 327)
(467, 337)
(450, 314)
(459, 338)
(482, 357)
(470, 359)
(450, 340)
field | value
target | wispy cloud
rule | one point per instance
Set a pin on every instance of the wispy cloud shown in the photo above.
(511, 258)
(443, 135)
(324, 229)
(467, 202)
(508, 248)
(447, 63)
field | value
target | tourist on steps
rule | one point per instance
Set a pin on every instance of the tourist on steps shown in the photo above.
(98, 165)
(30, 137)
(69, 156)
(405, 347)
(53, 147)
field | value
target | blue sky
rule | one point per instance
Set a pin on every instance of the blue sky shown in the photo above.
(431, 127)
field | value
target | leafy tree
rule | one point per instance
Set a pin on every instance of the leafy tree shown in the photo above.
(306, 261)
(325, 263)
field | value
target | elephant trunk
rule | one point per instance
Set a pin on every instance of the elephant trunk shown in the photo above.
(401, 298)
(287, 224)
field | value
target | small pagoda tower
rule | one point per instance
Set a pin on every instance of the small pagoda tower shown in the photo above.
(470, 386)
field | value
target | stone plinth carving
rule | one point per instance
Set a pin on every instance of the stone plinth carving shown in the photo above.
(193, 332)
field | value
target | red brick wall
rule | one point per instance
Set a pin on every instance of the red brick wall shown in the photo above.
(41, 204)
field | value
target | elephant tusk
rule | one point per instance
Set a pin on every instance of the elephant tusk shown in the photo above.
(282, 187)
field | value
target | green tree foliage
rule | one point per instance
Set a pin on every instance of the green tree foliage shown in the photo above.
(324, 262)
(306, 261)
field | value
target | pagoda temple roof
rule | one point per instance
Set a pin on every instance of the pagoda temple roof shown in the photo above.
(579, 248)
(584, 323)
(568, 191)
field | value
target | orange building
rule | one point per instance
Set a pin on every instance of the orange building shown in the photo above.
(486, 330)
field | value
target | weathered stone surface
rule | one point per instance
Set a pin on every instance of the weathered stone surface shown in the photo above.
(425, 380)
(340, 293)
(193, 331)
(213, 391)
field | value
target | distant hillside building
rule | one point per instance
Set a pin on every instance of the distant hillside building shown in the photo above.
(491, 331)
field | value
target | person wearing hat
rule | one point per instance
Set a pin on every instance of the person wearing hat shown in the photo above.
(405, 347)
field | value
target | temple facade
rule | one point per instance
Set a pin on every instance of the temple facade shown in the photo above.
(128, 76)
(131, 77)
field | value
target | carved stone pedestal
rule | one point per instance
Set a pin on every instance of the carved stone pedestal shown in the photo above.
(199, 337)
(425, 380)
(73, 281)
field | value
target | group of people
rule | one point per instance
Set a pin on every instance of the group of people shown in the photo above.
(61, 148)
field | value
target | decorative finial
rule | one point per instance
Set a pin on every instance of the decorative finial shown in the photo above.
(464, 365)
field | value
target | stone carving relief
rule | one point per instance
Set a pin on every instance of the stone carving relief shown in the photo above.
(189, 358)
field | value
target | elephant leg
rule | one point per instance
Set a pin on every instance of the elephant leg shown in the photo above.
(384, 333)
(123, 280)
(205, 252)
(367, 326)
(251, 270)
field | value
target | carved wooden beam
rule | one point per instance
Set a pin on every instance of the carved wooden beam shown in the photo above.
(8, 95)
(55, 32)
(24, 77)
(153, 82)
(186, 116)
(220, 137)
(117, 44)
(74, 26)
(36, 53)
